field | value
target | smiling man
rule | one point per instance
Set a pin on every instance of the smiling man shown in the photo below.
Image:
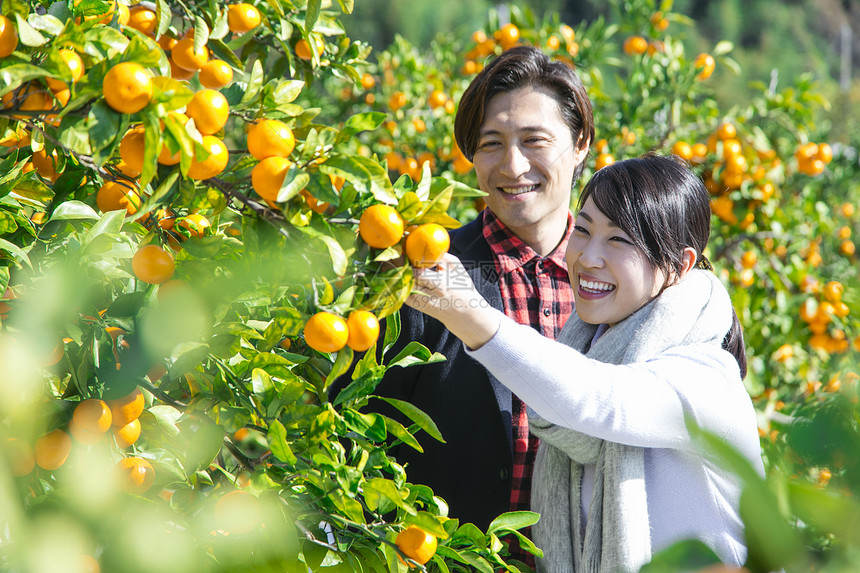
(526, 123)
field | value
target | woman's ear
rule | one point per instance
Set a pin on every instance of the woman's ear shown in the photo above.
(688, 261)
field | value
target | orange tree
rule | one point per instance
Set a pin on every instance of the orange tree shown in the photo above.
(784, 200)
(182, 278)
(200, 268)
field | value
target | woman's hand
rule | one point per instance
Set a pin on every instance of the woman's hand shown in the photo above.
(446, 292)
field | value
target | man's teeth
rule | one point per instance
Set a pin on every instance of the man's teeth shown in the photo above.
(594, 286)
(518, 190)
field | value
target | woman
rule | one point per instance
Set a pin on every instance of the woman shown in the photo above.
(654, 344)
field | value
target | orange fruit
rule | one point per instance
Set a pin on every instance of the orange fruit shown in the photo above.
(195, 223)
(268, 137)
(326, 332)
(727, 131)
(186, 57)
(127, 87)
(242, 18)
(52, 450)
(748, 259)
(380, 226)
(143, 20)
(131, 148)
(303, 50)
(209, 110)
(215, 74)
(127, 435)
(508, 36)
(825, 153)
(237, 512)
(705, 64)
(683, 150)
(76, 66)
(137, 474)
(22, 460)
(426, 244)
(268, 175)
(603, 160)
(397, 100)
(437, 98)
(367, 81)
(117, 195)
(313, 203)
(363, 330)
(635, 45)
(89, 564)
(212, 165)
(832, 291)
(416, 544)
(178, 73)
(659, 22)
(45, 165)
(90, 420)
(152, 264)
(8, 37)
(127, 408)
(19, 138)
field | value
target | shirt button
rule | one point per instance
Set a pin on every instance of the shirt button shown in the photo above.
(539, 266)
(504, 474)
(547, 312)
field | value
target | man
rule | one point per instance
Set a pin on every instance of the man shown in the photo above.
(526, 123)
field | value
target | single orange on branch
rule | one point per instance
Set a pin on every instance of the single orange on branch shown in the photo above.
(118, 195)
(426, 244)
(90, 421)
(152, 264)
(363, 328)
(127, 408)
(416, 544)
(127, 87)
(326, 332)
(242, 17)
(706, 65)
(8, 37)
(380, 226)
(269, 137)
(137, 474)
(52, 450)
(214, 163)
(267, 177)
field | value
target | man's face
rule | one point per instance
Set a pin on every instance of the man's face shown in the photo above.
(525, 160)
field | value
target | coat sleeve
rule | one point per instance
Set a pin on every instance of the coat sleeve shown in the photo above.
(644, 404)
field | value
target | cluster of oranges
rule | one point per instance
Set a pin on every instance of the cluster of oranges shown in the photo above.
(91, 422)
(561, 45)
(380, 227)
(813, 158)
(819, 312)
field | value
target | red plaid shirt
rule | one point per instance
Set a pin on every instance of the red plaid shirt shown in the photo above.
(535, 291)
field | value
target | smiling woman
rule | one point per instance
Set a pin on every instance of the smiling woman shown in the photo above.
(645, 352)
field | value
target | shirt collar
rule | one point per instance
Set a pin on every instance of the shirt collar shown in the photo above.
(510, 252)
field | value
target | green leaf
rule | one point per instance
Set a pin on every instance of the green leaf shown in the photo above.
(255, 82)
(392, 331)
(397, 430)
(7, 223)
(339, 259)
(110, 223)
(360, 387)
(277, 439)
(261, 382)
(367, 121)
(513, 520)
(27, 34)
(370, 426)
(312, 14)
(11, 77)
(477, 562)
(687, 555)
(73, 210)
(428, 522)
(17, 253)
(415, 353)
(418, 416)
(340, 367)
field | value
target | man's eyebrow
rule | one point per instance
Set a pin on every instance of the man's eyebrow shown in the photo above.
(527, 129)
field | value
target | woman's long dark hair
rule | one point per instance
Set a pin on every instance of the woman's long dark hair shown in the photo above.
(664, 208)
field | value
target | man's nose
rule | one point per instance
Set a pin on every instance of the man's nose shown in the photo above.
(515, 163)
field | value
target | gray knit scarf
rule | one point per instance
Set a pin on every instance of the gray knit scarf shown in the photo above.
(617, 536)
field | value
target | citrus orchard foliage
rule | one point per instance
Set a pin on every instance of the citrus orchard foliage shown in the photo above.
(205, 211)
(183, 278)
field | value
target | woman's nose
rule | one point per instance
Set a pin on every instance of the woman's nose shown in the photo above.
(591, 255)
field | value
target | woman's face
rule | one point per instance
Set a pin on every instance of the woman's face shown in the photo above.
(525, 160)
(611, 277)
